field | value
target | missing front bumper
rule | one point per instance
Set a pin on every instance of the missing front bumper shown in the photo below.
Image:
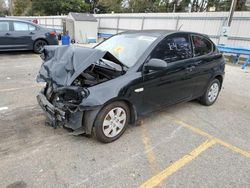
(55, 115)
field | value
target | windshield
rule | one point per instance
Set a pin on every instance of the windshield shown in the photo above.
(127, 47)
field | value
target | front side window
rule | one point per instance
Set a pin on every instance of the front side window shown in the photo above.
(201, 46)
(20, 26)
(173, 48)
(4, 26)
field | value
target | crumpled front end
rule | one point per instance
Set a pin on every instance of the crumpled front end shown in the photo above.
(68, 72)
(62, 104)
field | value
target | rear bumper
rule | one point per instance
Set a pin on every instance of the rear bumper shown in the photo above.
(55, 115)
(52, 41)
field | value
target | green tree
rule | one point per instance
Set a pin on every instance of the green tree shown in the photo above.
(21, 7)
(2, 8)
(74, 6)
(108, 6)
(57, 7)
(143, 6)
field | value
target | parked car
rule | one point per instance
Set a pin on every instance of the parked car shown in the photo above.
(24, 35)
(127, 76)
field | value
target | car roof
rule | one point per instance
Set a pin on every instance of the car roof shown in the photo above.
(14, 19)
(159, 32)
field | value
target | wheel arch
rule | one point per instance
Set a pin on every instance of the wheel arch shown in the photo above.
(220, 78)
(132, 109)
(40, 39)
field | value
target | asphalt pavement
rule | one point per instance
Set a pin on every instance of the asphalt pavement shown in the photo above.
(186, 145)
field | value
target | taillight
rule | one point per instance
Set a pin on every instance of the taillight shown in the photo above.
(53, 34)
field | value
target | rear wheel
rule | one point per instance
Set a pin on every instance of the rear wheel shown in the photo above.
(39, 46)
(211, 94)
(111, 122)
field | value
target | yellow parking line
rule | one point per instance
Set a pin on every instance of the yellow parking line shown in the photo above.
(157, 179)
(149, 150)
(233, 148)
(219, 141)
(194, 129)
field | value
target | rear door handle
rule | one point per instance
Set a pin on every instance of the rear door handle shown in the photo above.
(7, 34)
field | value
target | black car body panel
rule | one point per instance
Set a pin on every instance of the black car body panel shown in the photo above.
(96, 78)
(21, 35)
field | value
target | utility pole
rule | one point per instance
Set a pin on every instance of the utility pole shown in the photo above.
(231, 13)
(10, 7)
(225, 29)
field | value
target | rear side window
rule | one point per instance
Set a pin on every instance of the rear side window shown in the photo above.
(173, 48)
(31, 27)
(4, 26)
(20, 26)
(201, 46)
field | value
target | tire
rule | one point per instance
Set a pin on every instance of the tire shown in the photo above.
(211, 94)
(39, 45)
(111, 122)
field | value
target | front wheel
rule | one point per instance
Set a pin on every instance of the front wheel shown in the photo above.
(39, 46)
(111, 122)
(211, 93)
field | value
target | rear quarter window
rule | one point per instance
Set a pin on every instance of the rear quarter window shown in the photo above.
(201, 45)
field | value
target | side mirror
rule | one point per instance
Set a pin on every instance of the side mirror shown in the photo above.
(155, 64)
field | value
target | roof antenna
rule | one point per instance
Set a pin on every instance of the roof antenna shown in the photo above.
(180, 27)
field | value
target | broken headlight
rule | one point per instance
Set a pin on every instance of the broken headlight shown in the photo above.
(71, 96)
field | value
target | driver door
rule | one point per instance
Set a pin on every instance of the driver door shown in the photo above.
(173, 84)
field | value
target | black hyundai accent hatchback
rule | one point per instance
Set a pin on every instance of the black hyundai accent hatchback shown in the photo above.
(103, 89)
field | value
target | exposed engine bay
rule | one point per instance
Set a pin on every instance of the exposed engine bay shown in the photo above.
(102, 71)
(68, 98)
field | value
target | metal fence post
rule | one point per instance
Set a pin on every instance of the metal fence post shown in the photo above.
(99, 24)
(117, 25)
(142, 23)
(223, 21)
(53, 22)
(177, 22)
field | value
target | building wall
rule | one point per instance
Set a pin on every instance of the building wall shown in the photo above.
(209, 23)
(85, 30)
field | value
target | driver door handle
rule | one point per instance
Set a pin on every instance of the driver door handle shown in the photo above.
(7, 34)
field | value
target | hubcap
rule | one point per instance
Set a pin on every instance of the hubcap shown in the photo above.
(114, 122)
(213, 92)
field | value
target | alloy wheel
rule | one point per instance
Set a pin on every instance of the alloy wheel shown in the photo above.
(114, 122)
(213, 92)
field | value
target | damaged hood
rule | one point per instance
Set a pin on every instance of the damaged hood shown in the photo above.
(63, 64)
